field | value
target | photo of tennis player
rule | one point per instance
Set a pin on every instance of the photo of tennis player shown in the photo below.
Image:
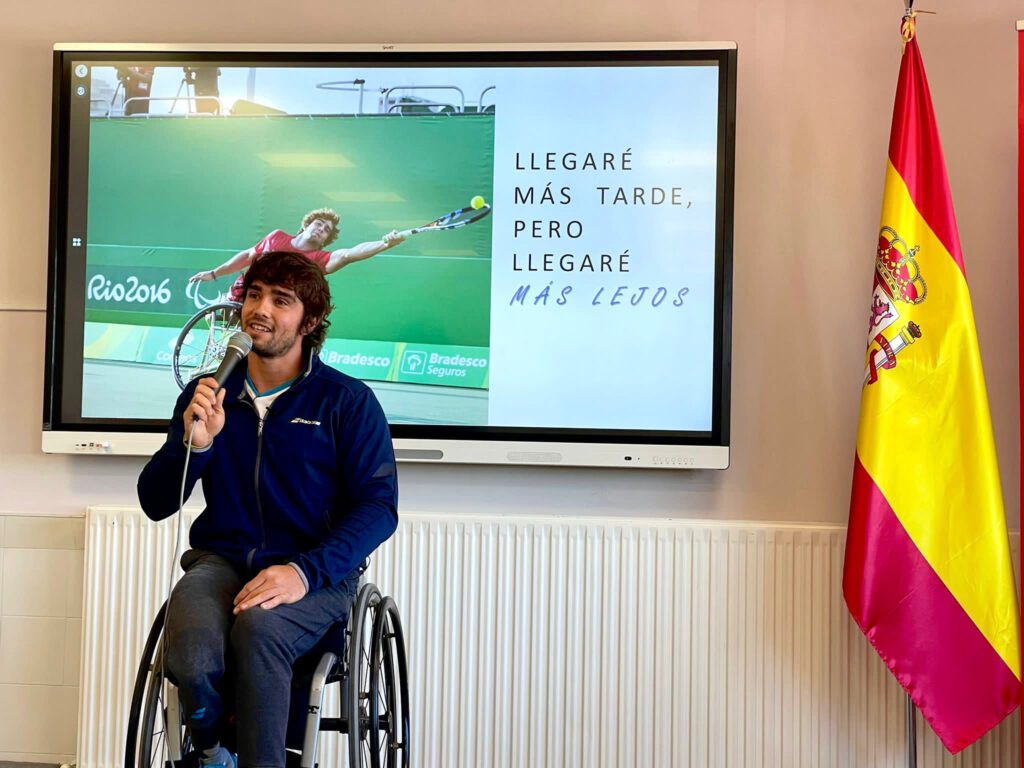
(292, 161)
(318, 230)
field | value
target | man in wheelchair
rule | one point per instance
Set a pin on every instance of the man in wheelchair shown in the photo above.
(298, 473)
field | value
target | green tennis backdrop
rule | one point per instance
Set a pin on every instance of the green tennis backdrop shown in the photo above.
(171, 196)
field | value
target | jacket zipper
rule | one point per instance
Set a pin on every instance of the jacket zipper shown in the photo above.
(256, 475)
(259, 461)
(259, 458)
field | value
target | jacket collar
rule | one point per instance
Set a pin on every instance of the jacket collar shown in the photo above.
(235, 384)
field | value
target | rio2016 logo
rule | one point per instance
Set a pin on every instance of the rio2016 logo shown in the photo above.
(131, 290)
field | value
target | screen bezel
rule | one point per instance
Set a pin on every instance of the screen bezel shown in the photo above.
(459, 444)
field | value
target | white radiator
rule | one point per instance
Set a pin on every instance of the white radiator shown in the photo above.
(584, 642)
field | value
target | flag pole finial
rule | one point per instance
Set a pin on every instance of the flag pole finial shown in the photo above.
(908, 29)
(909, 26)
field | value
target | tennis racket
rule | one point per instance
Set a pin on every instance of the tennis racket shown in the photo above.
(457, 218)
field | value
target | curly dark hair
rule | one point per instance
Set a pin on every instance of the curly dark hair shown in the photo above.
(296, 273)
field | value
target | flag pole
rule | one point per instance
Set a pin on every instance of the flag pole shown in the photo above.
(911, 733)
(907, 31)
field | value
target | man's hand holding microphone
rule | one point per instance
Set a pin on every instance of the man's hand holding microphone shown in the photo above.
(204, 416)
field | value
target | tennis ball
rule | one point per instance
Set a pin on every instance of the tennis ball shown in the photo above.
(477, 202)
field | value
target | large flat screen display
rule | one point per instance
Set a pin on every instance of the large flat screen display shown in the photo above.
(562, 294)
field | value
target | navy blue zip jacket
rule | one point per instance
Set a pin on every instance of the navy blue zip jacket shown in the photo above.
(316, 486)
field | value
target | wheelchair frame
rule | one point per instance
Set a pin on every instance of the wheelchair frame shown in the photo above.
(374, 648)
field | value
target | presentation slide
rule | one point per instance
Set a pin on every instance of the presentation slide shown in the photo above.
(560, 271)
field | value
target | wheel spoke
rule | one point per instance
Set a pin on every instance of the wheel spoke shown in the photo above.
(203, 341)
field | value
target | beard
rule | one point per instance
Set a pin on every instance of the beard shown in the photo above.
(278, 345)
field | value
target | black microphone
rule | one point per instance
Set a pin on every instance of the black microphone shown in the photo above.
(238, 347)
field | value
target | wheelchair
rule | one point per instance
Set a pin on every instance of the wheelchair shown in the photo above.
(203, 341)
(365, 655)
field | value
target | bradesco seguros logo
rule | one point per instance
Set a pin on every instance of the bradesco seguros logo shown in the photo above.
(451, 366)
(414, 362)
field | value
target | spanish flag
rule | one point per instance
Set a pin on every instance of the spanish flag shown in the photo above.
(928, 576)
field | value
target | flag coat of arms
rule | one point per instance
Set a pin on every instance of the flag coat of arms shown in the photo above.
(928, 575)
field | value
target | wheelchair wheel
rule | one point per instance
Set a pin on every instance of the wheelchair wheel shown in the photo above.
(389, 689)
(357, 686)
(156, 736)
(202, 342)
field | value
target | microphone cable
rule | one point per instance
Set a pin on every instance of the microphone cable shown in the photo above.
(162, 646)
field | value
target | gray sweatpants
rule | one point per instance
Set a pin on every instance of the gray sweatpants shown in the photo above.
(247, 659)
